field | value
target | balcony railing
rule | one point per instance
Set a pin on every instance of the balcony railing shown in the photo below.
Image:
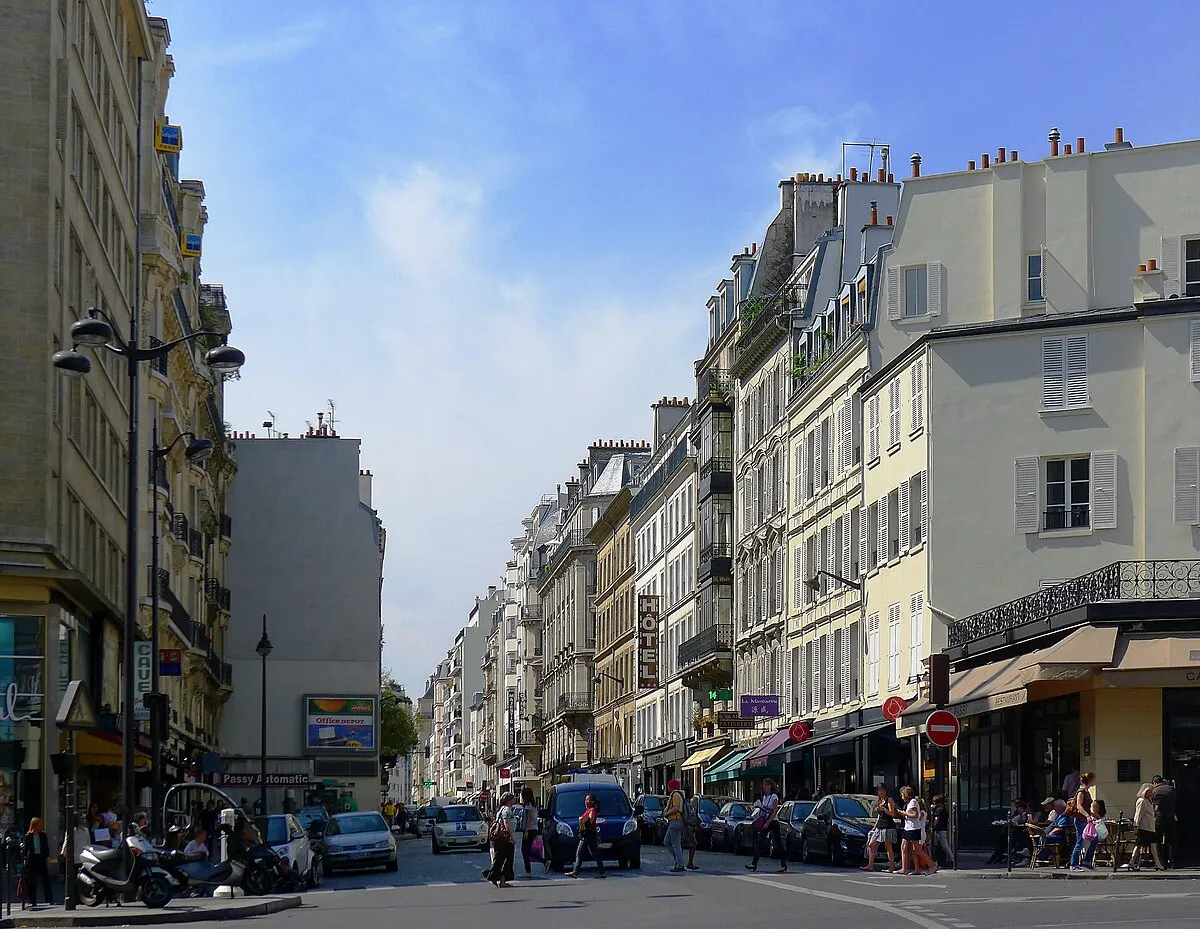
(531, 615)
(195, 543)
(1062, 517)
(179, 527)
(757, 313)
(575, 539)
(158, 364)
(212, 588)
(164, 583)
(716, 550)
(1121, 580)
(708, 643)
(575, 703)
(715, 384)
(528, 738)
(169, 201)
(226, 526)
(655, 480)
(721, 464)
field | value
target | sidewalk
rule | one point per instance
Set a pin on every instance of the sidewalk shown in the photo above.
(135, 914)
(972, 864)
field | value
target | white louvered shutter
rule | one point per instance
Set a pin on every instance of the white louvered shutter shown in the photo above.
(830, 670)
(873, 428)
(814, 673)
(797, 577)
(1172, 263)
(751, 595)
(882, 538)
(1077, 371)
(1028, 470)
(801, 472)
(893, 293)
(924, 506)
(1194, 350)
(846, 536)
(846, 695)
(917, 385)
(768, 491)
(1054, 386)
(779, 559)
(848, 408)
(781, 479)
(894, 412)
(831, 552)
(894, 645)
(935, 287)
(864, 544)
(1187, 486)
(764, 573)
(1104, 490)
(916, 635)
(873, 654)
(745, 482)
(802, 655)
(787, 684)
(904, 534)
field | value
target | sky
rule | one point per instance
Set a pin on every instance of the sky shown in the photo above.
(487, 230)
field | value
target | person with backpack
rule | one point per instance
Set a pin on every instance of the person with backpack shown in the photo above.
(503, 846)
(691, 828)
(674, 816)
(766, 827)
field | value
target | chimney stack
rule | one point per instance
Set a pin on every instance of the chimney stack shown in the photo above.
(986, 161)
(1000, 155)
(970, 165)
(853, 174)
(880, 176)
(1015, 156)
(915, 161)
(1054, 136)
(874, 213)
(889, 220)
(1066, 148)
(1079, 146)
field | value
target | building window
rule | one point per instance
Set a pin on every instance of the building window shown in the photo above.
(1033, 279)
(1065, 373)
(916, 291)
(893, 412)
(1068, 493)
(1191, 268)
(872, 654)
(894, 646)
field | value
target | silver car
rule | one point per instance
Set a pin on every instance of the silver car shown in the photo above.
(459, 826)
(424, 819)
(359, 840)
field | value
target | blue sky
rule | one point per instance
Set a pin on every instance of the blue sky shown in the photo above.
(487, 230)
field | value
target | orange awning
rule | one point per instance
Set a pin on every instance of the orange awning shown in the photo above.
(100, 750)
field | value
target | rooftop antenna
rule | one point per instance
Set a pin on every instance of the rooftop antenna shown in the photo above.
(269, 425)
(873, 145)
(332, 418)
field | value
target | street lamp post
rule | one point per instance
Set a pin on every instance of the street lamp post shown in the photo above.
(97, 331)
(264, 649)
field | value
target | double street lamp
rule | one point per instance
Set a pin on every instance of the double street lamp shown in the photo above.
(97, 331)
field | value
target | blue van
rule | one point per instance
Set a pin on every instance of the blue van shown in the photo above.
(620, 838)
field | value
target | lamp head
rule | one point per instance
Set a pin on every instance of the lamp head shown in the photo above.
(199, 451)
(225, 359)
(264, 647)
(92, 331)
(71, 362)
(814, 583)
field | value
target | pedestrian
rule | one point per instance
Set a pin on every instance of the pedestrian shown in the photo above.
(1070, 784)
(1147, 836)
(503, 849)
(913, 856)
(674, 817)
(691, 828)
(529, 830)
(37, 857)
(589, 838)
(1079, 807)
(765, 827)
(1094, 832)
(1163, 795)
(884, 832)
(939, 819)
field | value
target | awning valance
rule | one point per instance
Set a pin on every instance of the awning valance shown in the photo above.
(759, 757)
(703, 756)
(728, 768)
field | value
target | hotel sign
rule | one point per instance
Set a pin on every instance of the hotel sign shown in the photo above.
(647, 647)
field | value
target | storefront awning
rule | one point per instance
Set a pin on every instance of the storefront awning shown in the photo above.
(758, 758)
(1157, 653)
(728, 768)
(703, 756)
(843, 741)
(98, 751)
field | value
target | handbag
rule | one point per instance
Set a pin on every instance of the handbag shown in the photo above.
(1089, 831)
(1101, 831)
(23, 887)
(762, 819)
(537, 851)
(499, 831)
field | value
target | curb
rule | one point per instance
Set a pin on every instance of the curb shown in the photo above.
(1027, 875)
(138, 915)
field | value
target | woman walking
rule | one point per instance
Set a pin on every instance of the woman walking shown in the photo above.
(913, 856)
(529, 830)
(1080, 807)
(673, 838)
(940, 830)
(766, 827)
(691, 828)
(37, 856)
(589, 838)
(503, 849)
(1147, 838)
(884, 832)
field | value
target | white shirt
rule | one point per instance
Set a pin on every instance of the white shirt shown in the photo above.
(195, 849)
(917, 822)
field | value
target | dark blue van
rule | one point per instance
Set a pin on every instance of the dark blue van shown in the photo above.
(620, 839)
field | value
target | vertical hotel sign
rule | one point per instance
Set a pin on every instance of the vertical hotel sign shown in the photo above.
(647, 655)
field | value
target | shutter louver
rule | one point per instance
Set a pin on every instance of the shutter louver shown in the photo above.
(873, 428)
(1104, 490)
(882, 537)
(798, 497)
(864, 544)
(1026, 503)
(1054, 387)
(846, 695)
(831, 555)
(1077, 385)
(894, 412)
(924, 506)
(1172, 264)
(764, 576)
(917, 375)
(857, 652)
(893, 293)
(797, 577)
(829, 669)
(62, 82)
(787, 685)
(1187, 486)
(1194, 350)
(846, 534)
(935, 289)
(916, 618)
(903, 520)
(781, 478)
(779, 559)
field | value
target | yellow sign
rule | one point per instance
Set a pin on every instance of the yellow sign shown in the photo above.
(168, 138)
(189, 245)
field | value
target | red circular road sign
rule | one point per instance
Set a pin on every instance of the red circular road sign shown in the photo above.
(893, 707)
(799, 731)
(942, 728)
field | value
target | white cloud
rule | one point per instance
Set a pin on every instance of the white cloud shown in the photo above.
(808, 140)
(278, 45)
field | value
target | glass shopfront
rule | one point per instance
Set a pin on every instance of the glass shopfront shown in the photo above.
(22, 719)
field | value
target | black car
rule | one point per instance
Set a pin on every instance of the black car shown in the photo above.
(730, 827)
(709, 808)
(650, 809)
(791, 824)
(837, 828)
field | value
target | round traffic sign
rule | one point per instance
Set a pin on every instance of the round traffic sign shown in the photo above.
(942, 728)
(799, 731)
(893, 707)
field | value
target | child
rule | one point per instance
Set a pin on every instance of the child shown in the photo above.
(1093, 832)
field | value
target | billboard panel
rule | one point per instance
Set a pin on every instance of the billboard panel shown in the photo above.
(343, 724)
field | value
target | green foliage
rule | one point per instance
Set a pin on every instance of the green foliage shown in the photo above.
(751, 310)
(397, 728)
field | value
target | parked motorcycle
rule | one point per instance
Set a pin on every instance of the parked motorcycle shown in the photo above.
(107, 875)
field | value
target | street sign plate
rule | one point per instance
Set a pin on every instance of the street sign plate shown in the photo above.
(799, 731)
(893, 707)
(729, 719)
(722, 694)
(760, 705)
(76, 710)
(942, 728)
(170, 662)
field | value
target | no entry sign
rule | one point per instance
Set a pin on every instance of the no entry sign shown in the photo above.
(942, 728)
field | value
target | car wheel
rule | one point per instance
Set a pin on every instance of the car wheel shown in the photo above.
(316, 874)
(636, 862)
(434, 846)
(805, 850)
(836, 858)
(392, 866)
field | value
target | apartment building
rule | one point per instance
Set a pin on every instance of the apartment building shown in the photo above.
(1058, 296)
(567, 585)
(663, 525)
(502, 695)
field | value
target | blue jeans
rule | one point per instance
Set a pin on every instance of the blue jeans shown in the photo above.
(674, 841)
(1080, 842)
(589, 845)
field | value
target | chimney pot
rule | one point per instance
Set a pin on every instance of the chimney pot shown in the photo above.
(1152, 264)
(1000, 155)
(1054, 137)
(753, 248)
(1079, 146)
(970, 165)
(1014, 156)
(915, 161)
(891, 178)
(986, 160)
(854, 174)
(880, 176)
(1067, 148)
(1120, 135)
(1141, 269)
(889, 220)
(874, 213)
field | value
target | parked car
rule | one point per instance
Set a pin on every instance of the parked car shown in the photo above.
(289, 840)
(791, 825)
(424, 818)
(620, 837)
(837, 828)
(709, 807)
(733, 816)
(315, 820)
(359, 840)
(459, 826)
(650, 810)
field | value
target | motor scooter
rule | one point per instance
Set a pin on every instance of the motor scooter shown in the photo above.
(107, 875)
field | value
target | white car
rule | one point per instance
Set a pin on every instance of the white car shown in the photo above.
(459, 826)
(289, 841)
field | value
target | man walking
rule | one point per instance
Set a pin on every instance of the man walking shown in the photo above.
(1162, 795)
(674, 837)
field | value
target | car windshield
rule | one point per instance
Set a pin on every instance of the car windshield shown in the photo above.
(459, 814)
(273, 828)
(801, 809)
(854, 807)
(310, 815)
(708, 807)
(651, 803)
(429, 812)
(737, 811)
(569, 804)
(366, 822)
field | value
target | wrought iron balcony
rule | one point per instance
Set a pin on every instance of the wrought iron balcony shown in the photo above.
(716, 560)
(164, 583)
(1063, 517)
(715, 641)
(212, 589)
(528, 738)
(226, 522)
(720, 464)
(158, 364)
(195, 543)
(715, 385)
(487, 754)
(1121, 580)
(575, 703)
(179, 527)
(531, 615)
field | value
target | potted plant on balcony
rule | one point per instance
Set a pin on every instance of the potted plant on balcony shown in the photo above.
(751, 310)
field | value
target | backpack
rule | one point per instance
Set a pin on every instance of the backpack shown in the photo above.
(691, 813)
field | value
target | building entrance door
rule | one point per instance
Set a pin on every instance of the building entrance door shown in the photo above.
(1181, 749)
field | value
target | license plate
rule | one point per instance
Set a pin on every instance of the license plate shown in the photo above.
(606, 846)
(362, 854)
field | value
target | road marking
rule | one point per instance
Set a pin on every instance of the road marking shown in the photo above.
(915, 918)
(441, 884)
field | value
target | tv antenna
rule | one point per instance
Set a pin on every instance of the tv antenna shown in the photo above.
(269, 425)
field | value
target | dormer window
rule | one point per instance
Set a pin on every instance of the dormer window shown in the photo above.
(916, 291)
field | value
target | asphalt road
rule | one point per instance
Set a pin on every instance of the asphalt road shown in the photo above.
(447, 892)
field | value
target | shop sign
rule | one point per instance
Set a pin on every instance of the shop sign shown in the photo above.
(729, 719)
(9, 713)
(647, 657)
(143, 678)
(760, 705)
(274, 779)
(170, 662)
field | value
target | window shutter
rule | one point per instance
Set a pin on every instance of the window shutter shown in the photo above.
(831, 553)
(779, 559)
(1172, 262)
(1054, 388)
(916, 636)
(856, 660)
(1104, 490)
(924, 506)
(917, 374)
(764, 577)
(829, 669)
(1028, 470)
(864, 546)
(797, 577)
(873, 654)
(781, 479)
(787, 685)
(904, 535)
(1194, 350)
(893, 293)
(751, 595)
(745, 482)
(894, 412)
(882, 545)
(1077, 385)
(1187, 486)
(873, 428)
(846, 695)
(935, 289)
(806, 676)
(845, 521)
(799, 495)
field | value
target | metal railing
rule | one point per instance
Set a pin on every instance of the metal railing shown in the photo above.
(488, 753)
(196, 543)
(226, 522)
(721, 464)
(158, 364)
(531, 615)
(179, 527)
(651, 485)
(714, 384)
(1121, 580)
(169, 200)
(527, 738)
(1062, 517)
(756, 313)
(574, 539)
(574, 702)
(164, 582)
(716, 550)
(705, 644)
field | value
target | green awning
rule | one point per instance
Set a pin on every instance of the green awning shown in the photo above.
(728, 768)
